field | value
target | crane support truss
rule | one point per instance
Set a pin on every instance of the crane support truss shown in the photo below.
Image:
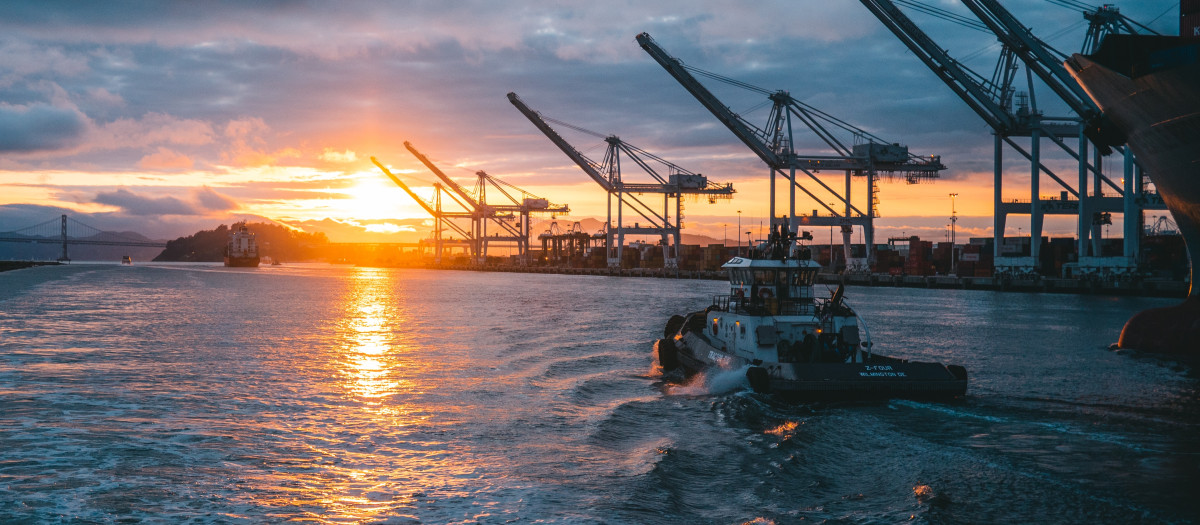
(443, 220)
(508, 222)
(672, 184)
(485, 223)
(992, 100)
(862, 155)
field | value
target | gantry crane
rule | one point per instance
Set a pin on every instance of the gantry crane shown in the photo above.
(442, 219)
(864, 154)
(511, 219)
(677, 183)
(563, 246)
(1047, 63)
(993, 100)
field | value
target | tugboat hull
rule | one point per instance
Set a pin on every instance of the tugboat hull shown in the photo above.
(878, 377)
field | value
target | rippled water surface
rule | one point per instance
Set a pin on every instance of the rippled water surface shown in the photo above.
(344, 395)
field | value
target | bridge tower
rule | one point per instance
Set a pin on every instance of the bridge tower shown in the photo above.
(63, 257)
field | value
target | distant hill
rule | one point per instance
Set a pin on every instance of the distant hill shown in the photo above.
(278, 242)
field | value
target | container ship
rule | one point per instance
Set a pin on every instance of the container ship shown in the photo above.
(242, 250)
(1148, 88)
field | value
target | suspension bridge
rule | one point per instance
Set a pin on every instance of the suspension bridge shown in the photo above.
(66, 231)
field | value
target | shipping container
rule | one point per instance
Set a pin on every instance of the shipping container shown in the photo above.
(1189, 25)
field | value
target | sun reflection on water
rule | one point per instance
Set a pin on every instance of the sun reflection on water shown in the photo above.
(371, 442)
(363, 465)
(370, 350)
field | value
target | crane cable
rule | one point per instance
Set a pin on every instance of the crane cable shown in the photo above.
(944, 15)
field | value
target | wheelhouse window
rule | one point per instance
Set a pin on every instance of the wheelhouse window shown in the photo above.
(765, 277)
(740, 276)
(803, 277)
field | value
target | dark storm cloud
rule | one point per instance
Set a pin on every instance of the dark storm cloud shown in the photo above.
(14, 217)
(198, 201)
(213, 201)
(39, 127)
(135, 204)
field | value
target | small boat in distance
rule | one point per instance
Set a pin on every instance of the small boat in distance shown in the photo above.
(791, 343)
(125, 259)
(242, 250)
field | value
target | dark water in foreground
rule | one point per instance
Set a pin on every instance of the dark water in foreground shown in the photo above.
(201, 394)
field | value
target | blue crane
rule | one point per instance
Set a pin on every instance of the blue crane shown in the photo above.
(860, 154)
(992, 98)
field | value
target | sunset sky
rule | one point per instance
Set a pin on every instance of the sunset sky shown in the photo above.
(169, 117)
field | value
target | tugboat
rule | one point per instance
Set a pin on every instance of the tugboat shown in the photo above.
(242, 250)
(790, 343)
(126, 260)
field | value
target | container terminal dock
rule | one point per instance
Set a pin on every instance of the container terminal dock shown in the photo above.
(902, 262)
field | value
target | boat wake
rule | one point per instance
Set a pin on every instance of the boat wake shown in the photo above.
(713, 381)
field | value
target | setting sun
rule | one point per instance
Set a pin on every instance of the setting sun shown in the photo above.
(373, 197)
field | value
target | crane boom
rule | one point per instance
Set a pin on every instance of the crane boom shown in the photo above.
(773, 142)
(429, 209)
(676, 182)
(739, 126)
(473, 204)
(528, 202)
(1035, 54)
(953, 74)
(584, 163)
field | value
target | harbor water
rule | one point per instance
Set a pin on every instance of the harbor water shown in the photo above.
(335, 394)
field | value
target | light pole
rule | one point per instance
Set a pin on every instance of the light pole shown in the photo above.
(739, 246)
(832, 266)
(953, 219)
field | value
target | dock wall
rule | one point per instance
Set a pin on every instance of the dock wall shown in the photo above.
(1132, 287)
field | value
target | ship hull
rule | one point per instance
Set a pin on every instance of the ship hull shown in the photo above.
(241, 262)
(1149, 91)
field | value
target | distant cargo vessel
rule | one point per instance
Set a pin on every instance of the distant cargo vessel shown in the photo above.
(242, 250)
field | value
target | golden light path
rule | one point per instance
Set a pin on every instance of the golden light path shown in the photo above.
(367, 320)
(363, 457)
(369, 362)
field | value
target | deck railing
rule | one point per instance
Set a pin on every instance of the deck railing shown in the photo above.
(772, 306)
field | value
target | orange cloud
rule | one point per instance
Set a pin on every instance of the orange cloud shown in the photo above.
(333, 156)
(247, 145)
(165, 159)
